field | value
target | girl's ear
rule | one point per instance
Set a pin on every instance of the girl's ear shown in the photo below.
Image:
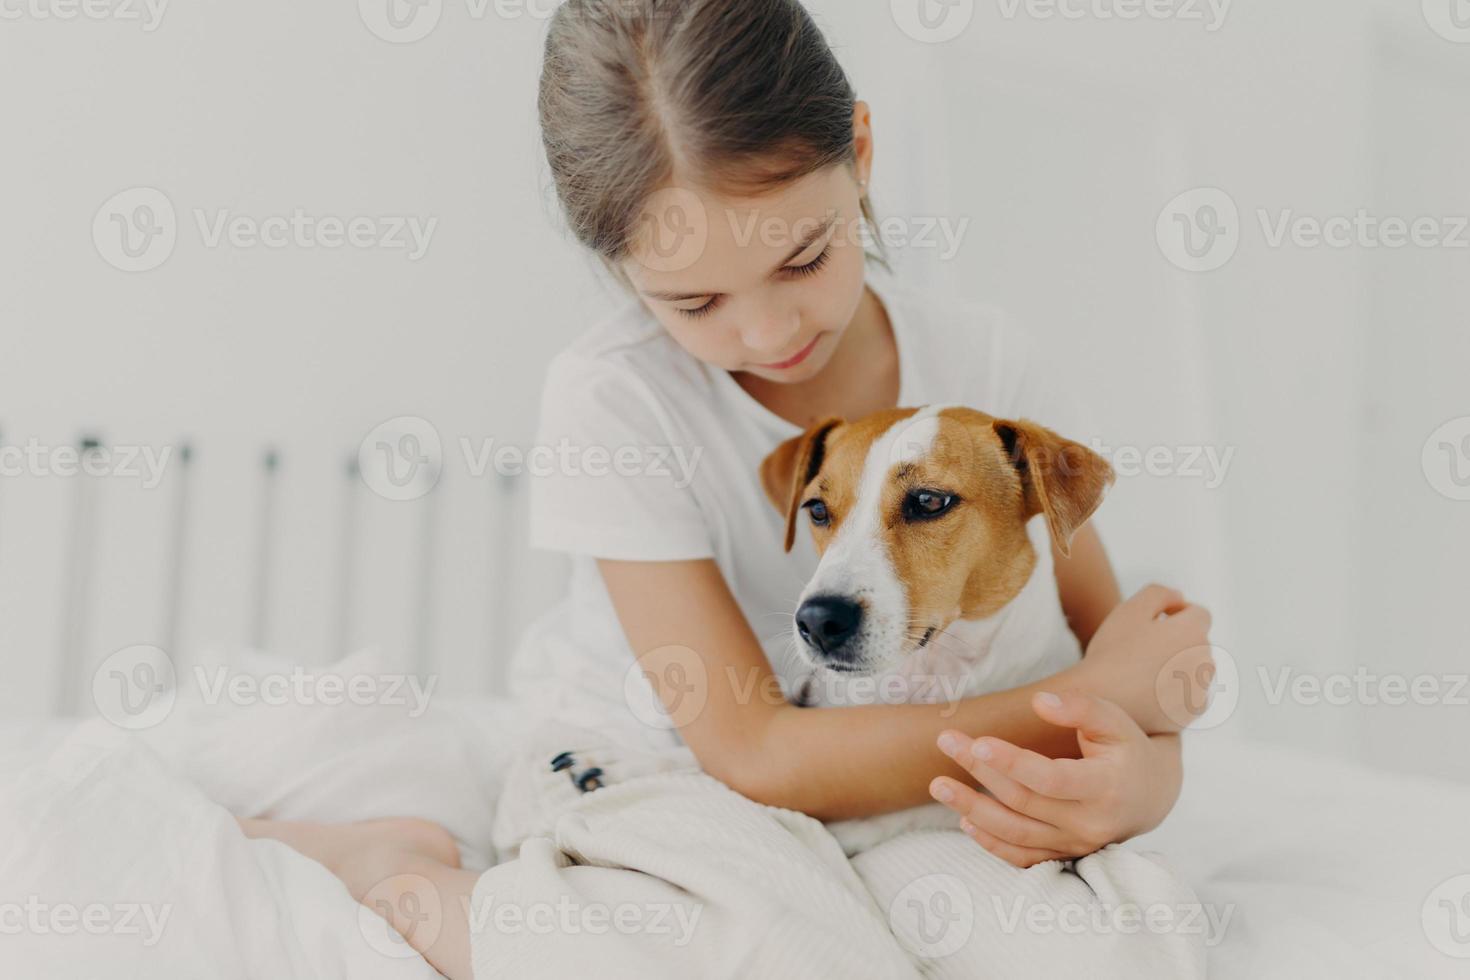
(1060, 478)
(794, 464)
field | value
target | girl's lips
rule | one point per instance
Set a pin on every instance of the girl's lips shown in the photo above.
(800, 356)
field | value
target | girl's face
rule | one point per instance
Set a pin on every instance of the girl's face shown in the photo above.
(762, 285)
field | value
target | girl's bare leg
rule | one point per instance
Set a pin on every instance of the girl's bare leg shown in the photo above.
(405, 870)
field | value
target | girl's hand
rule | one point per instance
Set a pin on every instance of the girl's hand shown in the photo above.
(1151, 656)
(1041, 809)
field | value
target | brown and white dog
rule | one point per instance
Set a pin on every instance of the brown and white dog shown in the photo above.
(935, 578)
(935, 582)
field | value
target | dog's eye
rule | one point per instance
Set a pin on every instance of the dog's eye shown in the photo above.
(818, 511)
(924, 504)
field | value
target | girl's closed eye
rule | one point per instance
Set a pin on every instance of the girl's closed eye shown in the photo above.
(699, 311)
(811, 268)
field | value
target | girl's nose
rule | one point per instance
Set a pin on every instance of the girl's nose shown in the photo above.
(772, 332)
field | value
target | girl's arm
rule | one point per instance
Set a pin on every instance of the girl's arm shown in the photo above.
(1086, 583)
(702, 657)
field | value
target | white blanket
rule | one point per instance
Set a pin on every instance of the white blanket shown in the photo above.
(714, 885)
(670, 875)
(119, 857)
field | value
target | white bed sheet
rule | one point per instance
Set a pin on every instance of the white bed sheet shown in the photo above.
(1328, 865)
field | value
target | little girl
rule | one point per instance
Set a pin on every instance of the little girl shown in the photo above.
(712, 154)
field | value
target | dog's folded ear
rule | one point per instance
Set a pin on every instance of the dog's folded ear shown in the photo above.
(791, 466)
(1061, 478)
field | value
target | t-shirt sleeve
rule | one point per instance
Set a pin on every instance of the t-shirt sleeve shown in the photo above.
(613, 481)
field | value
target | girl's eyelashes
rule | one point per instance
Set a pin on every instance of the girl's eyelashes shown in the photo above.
(813, 267)
(700, 311)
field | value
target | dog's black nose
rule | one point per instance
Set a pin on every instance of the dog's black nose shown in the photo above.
(827, 622)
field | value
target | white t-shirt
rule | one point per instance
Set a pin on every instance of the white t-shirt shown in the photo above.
(662, 463)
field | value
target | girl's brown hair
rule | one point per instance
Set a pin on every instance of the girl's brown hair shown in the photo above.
(745, 94)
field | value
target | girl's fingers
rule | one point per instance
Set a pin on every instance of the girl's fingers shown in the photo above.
(1151, 602)
(1099, 721)
(1194, 616)
(1021, 857)
(996, 818)
(1060, 779)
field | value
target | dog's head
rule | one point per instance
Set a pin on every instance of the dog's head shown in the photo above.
(920, 516)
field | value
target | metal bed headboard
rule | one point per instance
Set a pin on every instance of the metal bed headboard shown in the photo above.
(80, 586)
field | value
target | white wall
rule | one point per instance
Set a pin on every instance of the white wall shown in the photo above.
(1323, 370)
